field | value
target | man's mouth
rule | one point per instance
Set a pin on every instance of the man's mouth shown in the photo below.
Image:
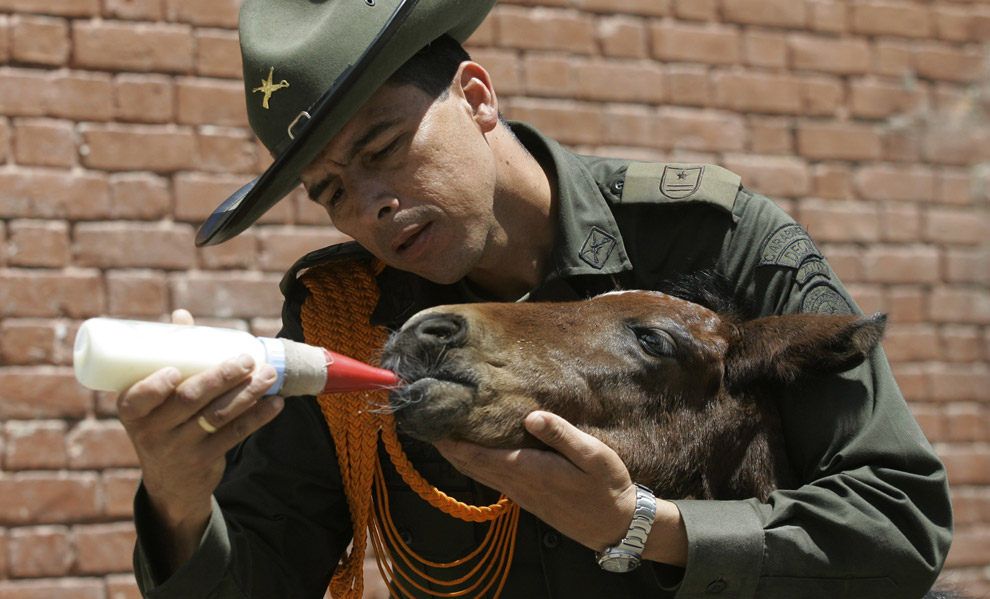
(408, 240)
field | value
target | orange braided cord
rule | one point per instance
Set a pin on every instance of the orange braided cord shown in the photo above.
(336, 315)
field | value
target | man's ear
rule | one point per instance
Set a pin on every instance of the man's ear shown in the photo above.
(475, 85)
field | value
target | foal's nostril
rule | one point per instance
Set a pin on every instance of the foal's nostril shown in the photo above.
(442, 329)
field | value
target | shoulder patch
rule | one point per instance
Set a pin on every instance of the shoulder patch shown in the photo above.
(597, 248)
(648, 182)
(789, 246)
(823, 298)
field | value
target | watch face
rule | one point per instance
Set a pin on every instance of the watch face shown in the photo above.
(618, 562)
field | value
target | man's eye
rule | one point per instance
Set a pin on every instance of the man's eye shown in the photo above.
(335, 197)
(387, 150)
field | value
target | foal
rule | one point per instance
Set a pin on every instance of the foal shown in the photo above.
(682, 394)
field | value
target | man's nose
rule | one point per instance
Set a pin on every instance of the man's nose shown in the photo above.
(378, 199)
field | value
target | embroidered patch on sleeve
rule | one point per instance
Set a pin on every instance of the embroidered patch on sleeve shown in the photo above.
(789, 246)
(824, 299)
(597, 248)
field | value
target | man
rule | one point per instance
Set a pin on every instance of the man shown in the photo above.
(416, 165)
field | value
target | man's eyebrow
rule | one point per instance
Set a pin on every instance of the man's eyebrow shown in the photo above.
(377, 129)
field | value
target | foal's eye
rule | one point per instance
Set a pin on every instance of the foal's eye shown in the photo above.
(656, 343)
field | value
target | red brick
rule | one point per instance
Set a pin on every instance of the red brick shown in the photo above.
(548, 75)
(844, 56)
(901, 264)
(218, 53)
(39, 40)
(895, 19)
(869, 298)
(157, 47)
(955, 143)
(619, 81)
(622, 36)
(900, 223)
(840, 221)
(696, 10)
(955, 187)
(970, 545)
(757, 93)
(44, 142)
(104, 548)
(29, 293)
(959, 305)
(223, 295)
(143, 98)
(484, 35)
(198, 194)
(948, 226)
(35, 445)
(967, 265)
(873, 99)
(124, 586)
(970, 505)
(821, 95)
(775, 13)
(211, 102)
(238, 253)
(38, 243)
(629, 125)
(687, 129)
(63, 588)
(688, 85)
(136, 293)
(80, 96)
(139, 196)
(828, 16)
(883, 183)
(948, 63)
(135, 244)
(36, 193)
(912, 380)
(119, 487)
(776, 177)
(829, 141)
(68, 8)
(146, 10)
(771, 136)
(649, 8)
(307, 212)
(4, 58)
(222, 150)
(139, 147)
(546, 29)
(959, 24)
(22, 92)
(566, 121)
(961, 343)
(711, 44)
(965, 465)
(911, 342)
(282, 246)
(218, 13)
(40, 551)
(893, 58)
(48, 498)
(4, 139)
(765, 49)
(907, 304)
(99, 444)
(25, 342)
(42, 392)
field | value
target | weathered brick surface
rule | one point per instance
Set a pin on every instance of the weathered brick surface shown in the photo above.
(122, 126)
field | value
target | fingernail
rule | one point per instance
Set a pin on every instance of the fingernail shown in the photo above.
(267, 373)
(245, 361)
(277, 403)
(537, 423)
(172, 376)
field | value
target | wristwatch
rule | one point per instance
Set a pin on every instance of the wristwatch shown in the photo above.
(625, 556)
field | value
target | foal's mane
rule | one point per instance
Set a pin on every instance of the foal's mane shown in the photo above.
(711, 289)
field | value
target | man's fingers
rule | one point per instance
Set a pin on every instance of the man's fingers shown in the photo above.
(181, 316)
(144, 396)
(258, 415)
(226, 408)
(581, 449)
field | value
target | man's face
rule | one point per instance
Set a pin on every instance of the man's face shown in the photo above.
(412, 180)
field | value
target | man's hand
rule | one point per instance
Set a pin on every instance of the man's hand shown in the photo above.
(582, 489)
(181, 462)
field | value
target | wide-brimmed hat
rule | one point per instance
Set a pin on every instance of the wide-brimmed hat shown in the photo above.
(309, 65)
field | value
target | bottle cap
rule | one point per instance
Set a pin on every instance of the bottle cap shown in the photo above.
(347, 374)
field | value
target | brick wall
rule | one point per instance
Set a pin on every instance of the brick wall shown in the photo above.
(122, 126)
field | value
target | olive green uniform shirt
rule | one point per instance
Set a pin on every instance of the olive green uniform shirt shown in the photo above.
(870, 519)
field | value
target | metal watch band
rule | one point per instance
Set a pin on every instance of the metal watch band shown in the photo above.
(626, 555)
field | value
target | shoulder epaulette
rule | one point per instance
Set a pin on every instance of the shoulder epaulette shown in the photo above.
(648, 182)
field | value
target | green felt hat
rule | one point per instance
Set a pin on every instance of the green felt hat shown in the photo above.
(309, 65)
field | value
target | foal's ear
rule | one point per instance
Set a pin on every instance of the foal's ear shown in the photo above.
(781, 348)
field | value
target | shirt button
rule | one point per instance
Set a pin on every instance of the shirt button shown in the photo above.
(551, 539)
(716, 586)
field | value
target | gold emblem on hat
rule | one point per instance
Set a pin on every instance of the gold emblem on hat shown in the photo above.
(267, 88)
